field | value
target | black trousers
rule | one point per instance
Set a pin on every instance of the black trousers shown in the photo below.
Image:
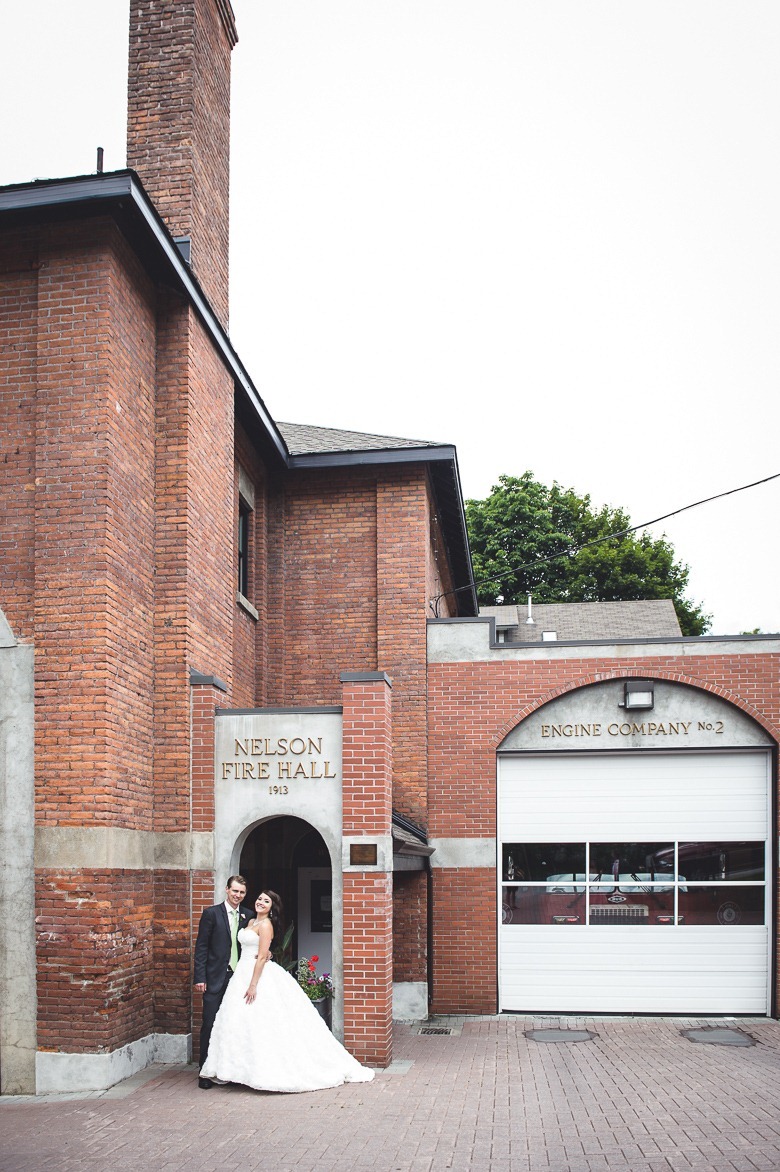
(211, 1004)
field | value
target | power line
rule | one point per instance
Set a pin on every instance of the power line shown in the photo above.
(565, 553)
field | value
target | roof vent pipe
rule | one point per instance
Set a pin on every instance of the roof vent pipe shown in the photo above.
(530, 619)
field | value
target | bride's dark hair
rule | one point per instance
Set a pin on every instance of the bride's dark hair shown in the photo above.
(276, 914)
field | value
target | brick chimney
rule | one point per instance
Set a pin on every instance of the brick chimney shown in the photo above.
(178, 125)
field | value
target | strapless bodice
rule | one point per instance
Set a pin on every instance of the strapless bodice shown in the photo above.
(249, 940)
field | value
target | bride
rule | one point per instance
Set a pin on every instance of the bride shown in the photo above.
(267, 1034)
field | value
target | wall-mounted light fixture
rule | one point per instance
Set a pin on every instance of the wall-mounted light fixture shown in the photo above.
(638, 694)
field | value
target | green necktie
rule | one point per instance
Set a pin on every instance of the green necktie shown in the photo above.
(233, 940)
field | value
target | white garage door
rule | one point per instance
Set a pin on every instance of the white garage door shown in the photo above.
(634, 883)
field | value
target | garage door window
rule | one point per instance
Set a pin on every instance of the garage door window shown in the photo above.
(664, 883)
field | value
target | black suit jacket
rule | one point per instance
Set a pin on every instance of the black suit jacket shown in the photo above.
(212, 947)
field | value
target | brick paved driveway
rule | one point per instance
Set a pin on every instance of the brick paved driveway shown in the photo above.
(638, 1096)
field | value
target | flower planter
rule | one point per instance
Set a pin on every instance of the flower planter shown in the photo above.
(323, 1009)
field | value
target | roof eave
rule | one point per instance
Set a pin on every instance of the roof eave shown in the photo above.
(359, 457)
(116, 191)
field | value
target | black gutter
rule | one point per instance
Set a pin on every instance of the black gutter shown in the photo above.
(362, 456)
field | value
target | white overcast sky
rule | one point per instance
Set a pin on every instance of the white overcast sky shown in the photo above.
(545, 231)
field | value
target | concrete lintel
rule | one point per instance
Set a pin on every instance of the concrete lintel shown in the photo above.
(114, 847)
(409, 862)
(463, 852)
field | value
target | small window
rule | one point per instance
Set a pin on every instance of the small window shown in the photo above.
(245, 554)
(244, 512)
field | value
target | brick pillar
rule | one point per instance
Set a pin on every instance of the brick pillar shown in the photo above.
(367, 769)
(207, 692)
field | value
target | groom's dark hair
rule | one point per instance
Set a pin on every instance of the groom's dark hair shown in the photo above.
(235, 879)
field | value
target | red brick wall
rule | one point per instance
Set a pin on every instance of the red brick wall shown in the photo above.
(348, 576)
(194, 613)
(322, 585)
(410, 926)
(172, 642)
(403, 532)
(211, 591)
(117, 560)
(178, 125)
(194, 544)
(117, 552)
(205, 700)
(94, 933)
(464, 940)
(172, 970)
(368, 897)
(472, 706)
(90, 405)
(18, 356)
(368, 967)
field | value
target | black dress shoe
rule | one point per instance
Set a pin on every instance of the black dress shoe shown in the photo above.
(205, 1084)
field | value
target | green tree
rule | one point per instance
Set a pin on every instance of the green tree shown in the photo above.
(523, 522)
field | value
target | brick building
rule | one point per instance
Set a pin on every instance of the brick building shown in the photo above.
(216, 654)
(603, 813)
(168, 550)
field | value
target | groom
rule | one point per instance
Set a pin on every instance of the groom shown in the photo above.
(216, 955)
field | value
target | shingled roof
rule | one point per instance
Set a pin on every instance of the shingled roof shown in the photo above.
(304, 438)
(577, 621)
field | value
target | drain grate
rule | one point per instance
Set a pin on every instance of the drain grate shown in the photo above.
(436, 1030)
(552, 1035)
(719, 1036)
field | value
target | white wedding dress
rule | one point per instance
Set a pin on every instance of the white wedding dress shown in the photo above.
(279, 1042)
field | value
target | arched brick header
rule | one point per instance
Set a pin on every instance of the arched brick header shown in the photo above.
(602, 677)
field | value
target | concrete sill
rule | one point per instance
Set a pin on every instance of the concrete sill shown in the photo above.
(246, 605)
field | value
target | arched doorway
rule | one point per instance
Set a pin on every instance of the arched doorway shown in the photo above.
(291, 857)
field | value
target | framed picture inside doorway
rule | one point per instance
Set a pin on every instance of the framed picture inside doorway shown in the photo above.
(321, 906)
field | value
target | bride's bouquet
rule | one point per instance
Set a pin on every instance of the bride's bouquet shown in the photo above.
(316, 988)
